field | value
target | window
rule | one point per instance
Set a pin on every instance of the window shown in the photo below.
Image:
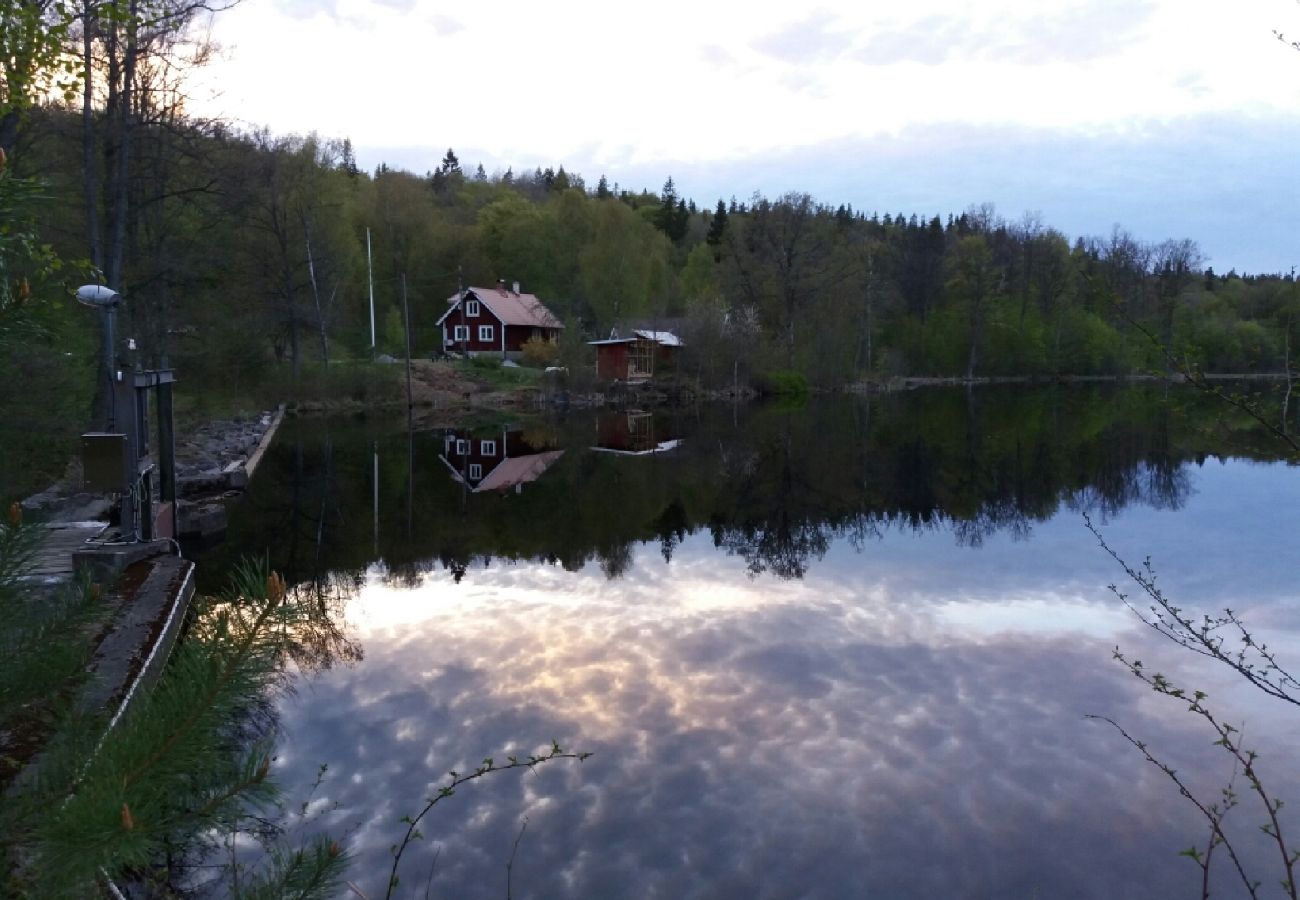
(462, 448)
(487, 448)
(471, 307)
(461, 333)
(485, 332)
(475, 471)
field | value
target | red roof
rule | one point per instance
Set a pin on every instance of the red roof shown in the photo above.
(510, 308)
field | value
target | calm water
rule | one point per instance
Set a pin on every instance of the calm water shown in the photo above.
(839, 651)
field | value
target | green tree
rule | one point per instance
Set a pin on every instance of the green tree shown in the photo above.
(33, 34)
(623, 267)
(973, 283)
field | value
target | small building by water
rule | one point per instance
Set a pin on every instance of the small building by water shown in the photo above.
(635, 354)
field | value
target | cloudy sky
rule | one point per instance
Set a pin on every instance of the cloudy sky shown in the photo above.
(1173, 118)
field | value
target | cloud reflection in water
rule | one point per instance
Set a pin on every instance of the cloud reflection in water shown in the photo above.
(862, 732)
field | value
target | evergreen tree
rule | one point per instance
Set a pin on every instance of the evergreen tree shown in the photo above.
(672, 217)
(717, 227)
(480, 174)
(347, 160)
(602, 189)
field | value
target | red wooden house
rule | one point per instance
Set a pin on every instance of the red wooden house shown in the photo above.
(495, 321)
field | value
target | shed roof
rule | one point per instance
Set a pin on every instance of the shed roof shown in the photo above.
(510, 308)
(663, 338)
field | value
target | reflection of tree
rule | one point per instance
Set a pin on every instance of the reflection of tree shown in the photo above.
(774, 487)
(615, 559)
(317, 640)
(783, 547)
(672, 526)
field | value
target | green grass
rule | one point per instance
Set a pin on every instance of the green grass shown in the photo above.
(488, 370)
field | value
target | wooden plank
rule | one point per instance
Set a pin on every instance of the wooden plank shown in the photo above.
(53, 559)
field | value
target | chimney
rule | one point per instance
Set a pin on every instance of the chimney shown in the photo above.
(516, 288)
(501, 285)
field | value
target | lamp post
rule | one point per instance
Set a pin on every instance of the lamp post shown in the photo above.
(107, 301)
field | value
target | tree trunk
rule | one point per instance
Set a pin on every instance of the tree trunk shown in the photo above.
(315, 293)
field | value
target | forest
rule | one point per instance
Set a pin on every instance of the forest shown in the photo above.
(245, 256)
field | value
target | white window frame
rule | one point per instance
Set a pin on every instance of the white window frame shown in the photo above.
(487, 448)
(460, 333)
(485, 333)
(462, 447)
(471, 308)
(475, 471)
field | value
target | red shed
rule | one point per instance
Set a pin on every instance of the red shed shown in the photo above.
(634, 358)
(495, 320)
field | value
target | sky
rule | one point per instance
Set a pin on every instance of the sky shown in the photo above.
(1170, 118)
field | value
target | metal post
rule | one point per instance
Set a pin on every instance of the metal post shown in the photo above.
(167, 452)
(406, 314)
(370, 270)
(129, 521)
(110, 364)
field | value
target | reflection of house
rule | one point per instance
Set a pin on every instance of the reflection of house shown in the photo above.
(495, 461)
(636, 356)
(634, 433)
(495, 320)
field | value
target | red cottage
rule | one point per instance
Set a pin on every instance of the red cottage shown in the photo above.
(495, 320)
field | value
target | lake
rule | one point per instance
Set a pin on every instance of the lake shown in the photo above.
(840, 650)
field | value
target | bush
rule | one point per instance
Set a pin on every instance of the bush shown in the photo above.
(783, 383)
(540, 353)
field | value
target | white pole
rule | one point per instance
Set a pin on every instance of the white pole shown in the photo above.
(370, 269)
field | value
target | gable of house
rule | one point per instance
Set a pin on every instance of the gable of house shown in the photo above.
(506, 306)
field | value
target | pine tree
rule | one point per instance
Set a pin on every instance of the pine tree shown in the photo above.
(602, 189)
(114, 799)
(718, 226)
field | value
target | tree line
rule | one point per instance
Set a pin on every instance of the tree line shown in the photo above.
(240, 251)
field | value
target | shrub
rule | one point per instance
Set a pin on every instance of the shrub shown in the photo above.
(783, 383)
(540, 353)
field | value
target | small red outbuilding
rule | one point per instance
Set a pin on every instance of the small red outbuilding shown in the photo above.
(636, 357)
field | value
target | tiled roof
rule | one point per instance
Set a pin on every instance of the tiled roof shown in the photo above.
(510, 308)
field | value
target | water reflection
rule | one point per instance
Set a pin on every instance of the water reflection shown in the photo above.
(773, 487)
(843, 651)
(497, 460)
(830, 737)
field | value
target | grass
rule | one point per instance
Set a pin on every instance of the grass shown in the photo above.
(499, 377)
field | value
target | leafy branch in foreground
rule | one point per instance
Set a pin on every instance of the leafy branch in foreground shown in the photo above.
(1214, 813)
(1226, 640)
(454, 781)
(1223, 638)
